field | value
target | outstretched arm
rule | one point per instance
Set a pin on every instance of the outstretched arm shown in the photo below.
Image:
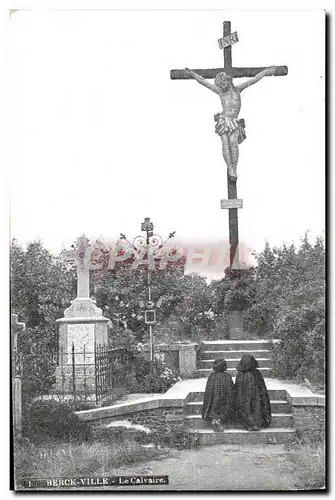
(202, 80)
(267, 72)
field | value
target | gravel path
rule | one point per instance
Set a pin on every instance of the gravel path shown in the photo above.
(221, 467)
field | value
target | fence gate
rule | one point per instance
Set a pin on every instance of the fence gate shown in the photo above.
(111, 366)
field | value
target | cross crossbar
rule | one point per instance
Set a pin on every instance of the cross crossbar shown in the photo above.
(181, 74)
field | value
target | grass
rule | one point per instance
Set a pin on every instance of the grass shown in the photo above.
(309, 461)
(71, 459)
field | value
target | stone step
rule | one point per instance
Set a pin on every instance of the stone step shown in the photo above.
(278, 420)
(277, 406)
(235, 345)
(274, 435)
(204, 372)
(232, 363)
(237, 354)
(274, 394)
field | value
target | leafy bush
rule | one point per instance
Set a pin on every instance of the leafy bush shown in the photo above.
(301, 353)
(141, 376)
(121, 337)
(149, 376)
(38, 365)
(289, 305)
(49, 419)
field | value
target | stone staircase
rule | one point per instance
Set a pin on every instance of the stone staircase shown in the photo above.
(232, 351)
(281, 429)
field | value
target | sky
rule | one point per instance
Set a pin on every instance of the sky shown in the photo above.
(100, 136)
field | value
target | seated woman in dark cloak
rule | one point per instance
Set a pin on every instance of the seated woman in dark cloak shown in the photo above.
(252, 402)
(219, 396)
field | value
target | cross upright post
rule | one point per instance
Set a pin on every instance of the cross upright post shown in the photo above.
(232, 188)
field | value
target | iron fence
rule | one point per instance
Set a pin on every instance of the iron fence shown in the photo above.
(75, 376)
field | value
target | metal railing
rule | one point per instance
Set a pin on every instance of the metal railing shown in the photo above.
(73, 376)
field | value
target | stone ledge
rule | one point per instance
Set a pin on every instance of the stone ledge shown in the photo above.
(237, 341)
(305, 401)
(172, 347)
(83, 319)
(128, 408)
(173, 402)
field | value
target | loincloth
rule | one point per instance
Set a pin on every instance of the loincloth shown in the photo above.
(224, 125)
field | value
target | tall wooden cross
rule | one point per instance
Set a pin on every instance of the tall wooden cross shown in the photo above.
(232, 204)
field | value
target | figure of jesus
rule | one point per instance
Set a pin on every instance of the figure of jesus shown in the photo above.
(228, 126)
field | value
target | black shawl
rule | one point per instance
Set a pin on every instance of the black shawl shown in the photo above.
(219, 393)
(252, 402)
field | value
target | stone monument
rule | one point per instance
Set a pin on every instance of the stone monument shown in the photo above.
(81, 330)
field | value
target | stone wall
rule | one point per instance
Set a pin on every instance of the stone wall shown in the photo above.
(180, 357)
(310, 421)
(157, 420)
(169, 354)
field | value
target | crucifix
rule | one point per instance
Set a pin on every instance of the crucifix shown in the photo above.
(228, 126)
(81, 257)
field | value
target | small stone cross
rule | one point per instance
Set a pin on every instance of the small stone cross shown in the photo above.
(81, 256)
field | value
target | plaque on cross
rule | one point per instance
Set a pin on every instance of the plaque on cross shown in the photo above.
(229, 204)
(228, 40)
(228, 125)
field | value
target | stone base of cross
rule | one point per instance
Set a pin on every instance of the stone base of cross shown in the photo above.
(80, 331)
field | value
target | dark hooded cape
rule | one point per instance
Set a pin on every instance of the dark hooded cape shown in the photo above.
(219, 394)
(252, 402)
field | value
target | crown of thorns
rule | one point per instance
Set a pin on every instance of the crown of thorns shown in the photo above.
(222, 76)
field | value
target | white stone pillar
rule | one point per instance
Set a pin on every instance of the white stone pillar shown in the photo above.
(187, 359)
(16, 328)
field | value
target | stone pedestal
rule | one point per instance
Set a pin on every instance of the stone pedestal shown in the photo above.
(80, 331)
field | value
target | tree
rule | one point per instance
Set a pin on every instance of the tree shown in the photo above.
(301, 328)
(195, 309)
(183, 302)
(122, 292)
(289, 304)
(41, 289)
